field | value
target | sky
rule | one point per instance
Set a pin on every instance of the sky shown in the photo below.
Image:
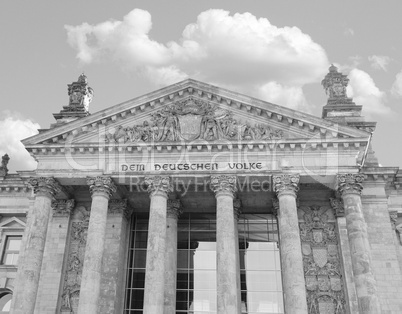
(278, 51)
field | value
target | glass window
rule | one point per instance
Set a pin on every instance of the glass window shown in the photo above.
(11, 250)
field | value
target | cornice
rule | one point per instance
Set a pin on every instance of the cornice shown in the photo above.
(208, 92)
(344, 144)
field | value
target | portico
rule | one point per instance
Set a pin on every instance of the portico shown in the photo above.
(196, 199)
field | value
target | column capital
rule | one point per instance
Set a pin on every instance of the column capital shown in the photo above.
(337, 206)
(286, 184)
(47, 186)
(101, 184)
(224, 184)
(119, 207)
(62, 208)
(174, 209)
(349, 183)
(161, 184)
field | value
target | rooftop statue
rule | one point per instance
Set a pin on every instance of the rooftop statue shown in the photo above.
(3, 167)
(335, 84)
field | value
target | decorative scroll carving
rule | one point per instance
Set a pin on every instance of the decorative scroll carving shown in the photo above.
(101, 184)
(120, 207)
(76, 254)
(174, 208)
(337, 206)
(159, 184)
(45, 185)
(190, 120)
(286, 183)
(322, 268)
(223, 183)
(62, 207)
(350, 183)
(3, 167)
(335, 84)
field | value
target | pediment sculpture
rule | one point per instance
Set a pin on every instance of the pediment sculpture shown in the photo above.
(190, 120)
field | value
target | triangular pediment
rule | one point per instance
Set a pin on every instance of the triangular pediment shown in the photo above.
(192, 111)
(12, 223)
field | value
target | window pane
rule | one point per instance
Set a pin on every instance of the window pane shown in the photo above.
(14, 244)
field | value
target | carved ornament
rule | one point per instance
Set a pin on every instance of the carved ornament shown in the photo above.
(62, 207)
(393, 216)
(174, 209)
(224, 183)
(101, 184)
(75, 261)
(286, 183)
(159, 184)
(337, 206)
(189, 120)
(237, 208)
(321, 262)
(119, 207)
(80, 95)
(45, 186)
(335, 84)
(3, 167)
(350, 183)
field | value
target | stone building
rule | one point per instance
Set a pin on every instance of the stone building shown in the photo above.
(197, 199)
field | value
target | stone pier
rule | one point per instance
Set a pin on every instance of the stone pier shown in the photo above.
(173, 212)
(158, 188)
(101, 189)
(227, 245)
(350, 188)
(294, 289)
(24, 297)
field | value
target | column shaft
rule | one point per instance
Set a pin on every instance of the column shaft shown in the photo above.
(158, 188)
(173, 213)
(227, 246)
(294, 289)
(350, 187)
(100, 188)
(29, 272)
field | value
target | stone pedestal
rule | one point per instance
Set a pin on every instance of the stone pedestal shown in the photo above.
(24, 297)
(294, 289)
(350, 188)
(100, 188)
(158, 187)
(227, 245)
(173, 212)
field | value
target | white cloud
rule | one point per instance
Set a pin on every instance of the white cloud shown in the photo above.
(291, 97)
(367, 94)
(13, 129)
(238, 50)
(379, 62)
(396, 89)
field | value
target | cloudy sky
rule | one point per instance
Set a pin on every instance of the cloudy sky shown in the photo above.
(278, 51)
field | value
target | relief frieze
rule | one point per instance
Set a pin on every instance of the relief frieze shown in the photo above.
(321, 262)
(190, 120)
(75, 260)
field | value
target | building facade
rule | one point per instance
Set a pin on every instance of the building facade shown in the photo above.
(197, 199)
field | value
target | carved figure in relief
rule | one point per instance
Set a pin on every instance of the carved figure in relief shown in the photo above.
(209, 129)
(190, 120)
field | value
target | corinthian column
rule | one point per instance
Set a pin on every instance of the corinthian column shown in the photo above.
(173, 212)
(227, 245)
(350, 187)
(294, 290)
(158, 188)
(35, 238)
(101, 189)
